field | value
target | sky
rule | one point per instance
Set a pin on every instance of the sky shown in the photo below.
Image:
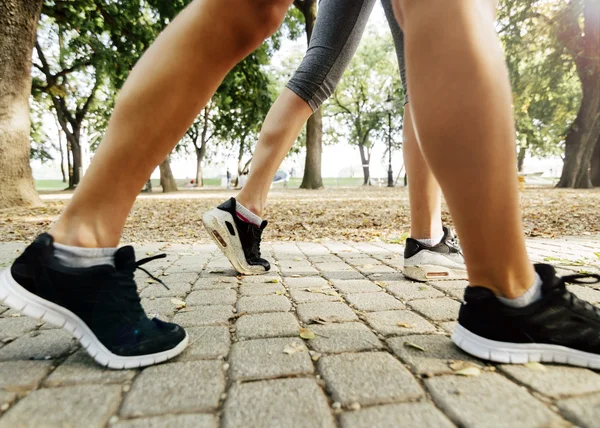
(339, 160)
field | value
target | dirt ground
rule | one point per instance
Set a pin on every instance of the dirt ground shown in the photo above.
(357, 213)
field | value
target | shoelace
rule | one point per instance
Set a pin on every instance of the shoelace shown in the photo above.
(577, 279)
(141, 262)
(257, 235)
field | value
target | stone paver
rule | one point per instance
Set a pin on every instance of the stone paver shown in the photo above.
(330, 311)
(256, 289)
(93, 404)
(381, 355)
(584, 411)
(556, 381)
(204, 315)
(14, 327)
(482, 401)
(81, 368)
(206, 343)
(399, 323)
(407, 290)
(39, 345)
(443, 309)
(260, 304)
(355, 286)
(22, 376)
(188, 387)
(311, 295)
(437, 355)
(293, 403)
(368, 378)
(267, 325)
(374, 302)
(269, 358)
(179, 421)
(226, 296)
(344, 337)
(412, 415)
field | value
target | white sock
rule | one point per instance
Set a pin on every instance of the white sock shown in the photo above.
(246, 215)
(79, 257)
(432, 241)
(533, 294)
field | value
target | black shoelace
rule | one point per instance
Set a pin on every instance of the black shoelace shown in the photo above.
(257, 235)
(127, 288)
(581, 279)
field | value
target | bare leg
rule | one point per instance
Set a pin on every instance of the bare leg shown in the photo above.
(279, 131)
(464, 124)
(168, 87)
(424, 191)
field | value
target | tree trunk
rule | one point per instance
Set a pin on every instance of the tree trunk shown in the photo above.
(18, 23)
(314, 127)
(521, 158)
(77, 159)
(596, 164)
(199, 178)
(365, 165)
(583, 133)
(312, 167)
(69, 164)
(62, 157)
(167, 181)
(581, 139)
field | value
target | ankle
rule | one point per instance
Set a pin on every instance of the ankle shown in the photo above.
(78, 234)
(253, 206)
(506, 283)
(427, 232)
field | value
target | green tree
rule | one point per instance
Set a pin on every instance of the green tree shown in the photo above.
(359, 101)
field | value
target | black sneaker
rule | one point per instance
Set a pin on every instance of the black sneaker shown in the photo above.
(237, 239)
(559, 328)
(443, 261)
(99, 305)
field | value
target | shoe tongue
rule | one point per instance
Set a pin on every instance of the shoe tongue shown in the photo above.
(263, 225)
(124, 257)
(548, 276)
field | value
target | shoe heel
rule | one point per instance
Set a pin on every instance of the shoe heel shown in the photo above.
(423, 273)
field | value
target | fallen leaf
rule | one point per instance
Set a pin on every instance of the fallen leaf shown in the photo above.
(279, 293)
(179, 304)
(468, 371)
(422, 288)
(535, 366)
(293, 348)
(414, 346)
(597, 255)
(307, 334)
(272, 281)
(321, 320)
(381, 284)
(405, 325)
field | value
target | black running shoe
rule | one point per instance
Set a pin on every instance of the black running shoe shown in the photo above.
(443, 261)
(559, 328)
(239, 240)
(99, 305)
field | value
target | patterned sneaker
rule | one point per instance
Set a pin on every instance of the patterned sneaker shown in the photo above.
(443, 261)
(559, 327)
(98, 305)
(237, 239)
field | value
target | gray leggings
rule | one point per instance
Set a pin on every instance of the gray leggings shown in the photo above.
(338, 29)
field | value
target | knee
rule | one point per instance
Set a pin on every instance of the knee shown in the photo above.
(269, 15)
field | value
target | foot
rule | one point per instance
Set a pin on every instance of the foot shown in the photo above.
(559, 327)
(443, 261)
(99, 305)
(238, 240)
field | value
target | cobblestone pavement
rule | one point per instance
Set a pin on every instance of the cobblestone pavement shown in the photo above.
(381, 355)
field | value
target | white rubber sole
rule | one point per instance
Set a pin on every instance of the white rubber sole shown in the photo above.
(425, 273)
(521, 353)
(19, 299)
(214, 222)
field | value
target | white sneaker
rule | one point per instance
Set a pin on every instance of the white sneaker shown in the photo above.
(440, 262)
